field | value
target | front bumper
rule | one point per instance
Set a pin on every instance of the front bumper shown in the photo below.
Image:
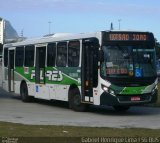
(108, 99)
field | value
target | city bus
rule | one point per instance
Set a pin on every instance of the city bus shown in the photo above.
(113, 68)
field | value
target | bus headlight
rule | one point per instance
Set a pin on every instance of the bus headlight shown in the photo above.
(112, 92)
(105, 88)
(154, 89)
(108, 90)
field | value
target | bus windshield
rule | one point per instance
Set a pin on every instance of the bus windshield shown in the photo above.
(125, 61)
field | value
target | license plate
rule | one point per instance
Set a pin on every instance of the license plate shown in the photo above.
(135, 98)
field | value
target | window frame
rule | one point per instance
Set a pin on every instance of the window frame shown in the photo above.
(18, 47)
(29, 65)
(54, 52)
(66, 54)
(5, 62)
(77, 50)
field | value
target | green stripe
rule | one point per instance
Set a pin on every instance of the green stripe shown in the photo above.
(70, 75)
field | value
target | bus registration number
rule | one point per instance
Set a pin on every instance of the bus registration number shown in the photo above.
(135, 98)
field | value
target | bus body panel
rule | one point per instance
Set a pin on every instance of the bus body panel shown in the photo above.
(55, 82)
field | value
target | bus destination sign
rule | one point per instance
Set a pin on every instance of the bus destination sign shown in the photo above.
(128, 37)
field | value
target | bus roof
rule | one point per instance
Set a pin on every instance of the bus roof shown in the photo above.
(54, 38)
(64, 37)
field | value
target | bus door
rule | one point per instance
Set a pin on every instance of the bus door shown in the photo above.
(89, 68)
(41, 91)
(11, 59)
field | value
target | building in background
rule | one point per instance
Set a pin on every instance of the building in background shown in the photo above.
(7, 33)
(1, 35)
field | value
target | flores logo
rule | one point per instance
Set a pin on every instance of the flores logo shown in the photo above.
(52, 75)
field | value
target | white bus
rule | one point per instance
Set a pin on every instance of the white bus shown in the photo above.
(115, 68)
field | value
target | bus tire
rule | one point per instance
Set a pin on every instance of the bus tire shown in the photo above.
(75, 101)
(24, 93)
(121, 108)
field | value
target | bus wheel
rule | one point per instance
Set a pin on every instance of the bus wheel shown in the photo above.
(75, 101)
(121, 108)
(24, 93)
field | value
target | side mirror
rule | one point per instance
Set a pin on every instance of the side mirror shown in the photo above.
(100, 56)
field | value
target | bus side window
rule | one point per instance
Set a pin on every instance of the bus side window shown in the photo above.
(1, 50)
(51, 54)
(6, 57)
(19, 56)
(29, 56)
(73, 53)
(61, 60)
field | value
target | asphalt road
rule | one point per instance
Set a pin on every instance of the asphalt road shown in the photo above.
(12, 109)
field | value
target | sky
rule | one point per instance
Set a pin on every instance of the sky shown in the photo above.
(40, 17)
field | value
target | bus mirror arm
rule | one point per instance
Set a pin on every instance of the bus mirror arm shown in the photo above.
(100, 56)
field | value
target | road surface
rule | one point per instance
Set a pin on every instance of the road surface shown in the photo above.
(12, 109)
